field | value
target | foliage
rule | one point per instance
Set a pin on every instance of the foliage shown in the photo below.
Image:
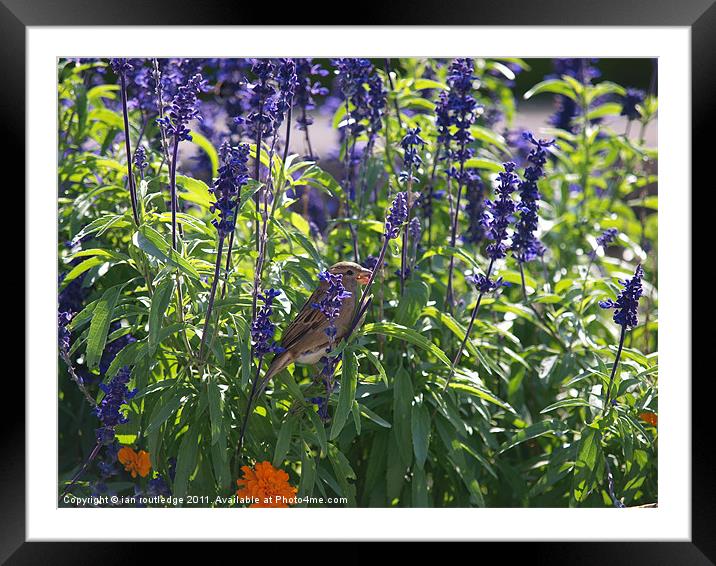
(518, 421)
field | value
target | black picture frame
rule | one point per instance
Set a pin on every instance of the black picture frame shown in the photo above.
(698, 15)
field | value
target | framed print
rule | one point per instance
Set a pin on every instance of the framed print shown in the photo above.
(402, 282)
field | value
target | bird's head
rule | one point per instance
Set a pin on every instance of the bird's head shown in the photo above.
(350, 272)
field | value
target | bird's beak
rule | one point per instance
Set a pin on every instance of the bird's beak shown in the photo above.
(364, 276)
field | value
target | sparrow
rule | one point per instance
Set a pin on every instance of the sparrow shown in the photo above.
(305, 340)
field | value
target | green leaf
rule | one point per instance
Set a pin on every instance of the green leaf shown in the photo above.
(349, 380)
(343, 472)
(402, 427)
(209, 149)
(99, 327)
(283, 442)
(168, 404)
(216, 409)
(308, 472)
(574, 402)
(408, 335)
(608, 109)
(420, 426)
(556, 86)
(80, 268)
(186, 460)
(370, 415)
(131, 354)
(414, 299)
(588, 465)
(376, 363)
(493, 138)
(160, 302)
(150, 241)
(533, 431)
(481, 163)
(481, 393)
(320, 430)
(423, 84)
(195, 191)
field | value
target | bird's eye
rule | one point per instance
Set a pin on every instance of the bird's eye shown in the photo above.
(350, 272)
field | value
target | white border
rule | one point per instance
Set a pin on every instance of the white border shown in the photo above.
(671, 521)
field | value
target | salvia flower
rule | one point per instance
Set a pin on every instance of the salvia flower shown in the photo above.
(113, 348)
(566, 109)
(462, 108)
(287, 84)
(261, 119)
(376, 101)
(499, 213)
(629, 102)
(483, 283)
(307, 88)
(233, 174)
(120, 66)
(442, 117)
(140, 160)
(397, 216)
(182, 109)
(331, 302)
(262, 329)
(411, 144)
(627, 303)
(64, 335)
(607, 237)
(525, 245)
(158, 487)
(352, 74)
(475, 208)
(108, 409)
(415, 229)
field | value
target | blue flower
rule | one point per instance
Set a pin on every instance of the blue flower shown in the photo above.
(460, 111)
(475, 208)
(499, 213)
(627, 303)
(483, 283)
(140, 160)
(183, 109)
(307, 88)
(376, 100)
(330, 304)
(585, 71)
(108, 410)
(415, 229)
(629, 102)
(158, 487)
(120, 66)
(397, 216)
(113, 348)
(262, 329)
(411, 144)
(233, 174)
(64, 334)
(287, 81)
(525, 245)
(607, 237)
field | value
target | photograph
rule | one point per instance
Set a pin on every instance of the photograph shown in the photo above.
(401, 282)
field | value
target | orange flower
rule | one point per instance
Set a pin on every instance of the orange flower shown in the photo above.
(650, 418)
(135, 462)
(266, 484)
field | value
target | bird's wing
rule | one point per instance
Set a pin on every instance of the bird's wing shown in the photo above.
(309, 321)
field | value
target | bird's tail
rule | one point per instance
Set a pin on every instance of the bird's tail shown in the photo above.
(278, 363)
